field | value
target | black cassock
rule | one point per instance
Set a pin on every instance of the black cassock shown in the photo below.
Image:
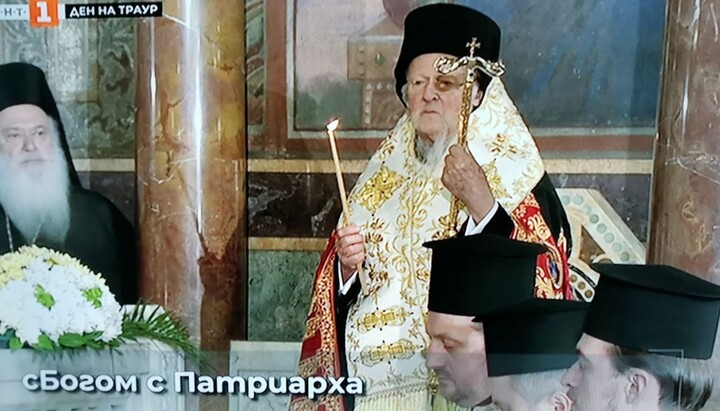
(99, 236)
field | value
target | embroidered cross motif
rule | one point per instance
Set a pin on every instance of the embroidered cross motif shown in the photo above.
(501, 147)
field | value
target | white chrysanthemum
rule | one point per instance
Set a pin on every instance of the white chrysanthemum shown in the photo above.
(65, 280)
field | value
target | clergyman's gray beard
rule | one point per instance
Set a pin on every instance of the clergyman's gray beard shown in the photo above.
(431, 154)
(37, 205)
(428, 152)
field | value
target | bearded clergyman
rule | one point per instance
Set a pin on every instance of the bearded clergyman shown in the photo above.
(402, 199)
(41, 199)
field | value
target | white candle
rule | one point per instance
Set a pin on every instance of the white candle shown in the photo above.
(331, 127)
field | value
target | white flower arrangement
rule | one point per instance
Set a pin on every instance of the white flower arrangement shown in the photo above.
(50, 298)
(51, 302)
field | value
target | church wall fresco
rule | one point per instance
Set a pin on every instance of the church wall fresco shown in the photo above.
(598, 62)
(90, 68)
(344, 66)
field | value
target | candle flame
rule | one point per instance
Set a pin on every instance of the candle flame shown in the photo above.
(331, 126)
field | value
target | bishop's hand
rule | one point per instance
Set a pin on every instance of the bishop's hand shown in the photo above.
(350, 248)
(465, 179)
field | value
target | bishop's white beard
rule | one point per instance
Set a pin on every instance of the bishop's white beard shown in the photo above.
(37, 200)
(432, 154)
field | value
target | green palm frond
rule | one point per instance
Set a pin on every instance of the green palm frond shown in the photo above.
(165, 328)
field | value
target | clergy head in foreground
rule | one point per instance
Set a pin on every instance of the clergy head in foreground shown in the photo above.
(648, 335)
(471, 275)
(529, 346)
(41, 200)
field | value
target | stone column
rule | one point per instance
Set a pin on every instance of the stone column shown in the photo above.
(685, 202)
(685, 205)
(191, 167)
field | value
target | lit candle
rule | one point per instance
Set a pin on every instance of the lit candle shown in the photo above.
(343, 197)
(338, 171)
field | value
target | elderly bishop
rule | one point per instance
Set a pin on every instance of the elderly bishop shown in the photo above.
(402, 200)
(41, 199)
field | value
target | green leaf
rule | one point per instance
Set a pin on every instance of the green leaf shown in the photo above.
(93, 296)
(71, 340)
(94, 335)
(95, 344)
(44, 343)
(45, 299)
(15, 344)
(165, 328)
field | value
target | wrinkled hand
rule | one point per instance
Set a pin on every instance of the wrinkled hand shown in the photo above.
(463, 177)
(350, 248)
